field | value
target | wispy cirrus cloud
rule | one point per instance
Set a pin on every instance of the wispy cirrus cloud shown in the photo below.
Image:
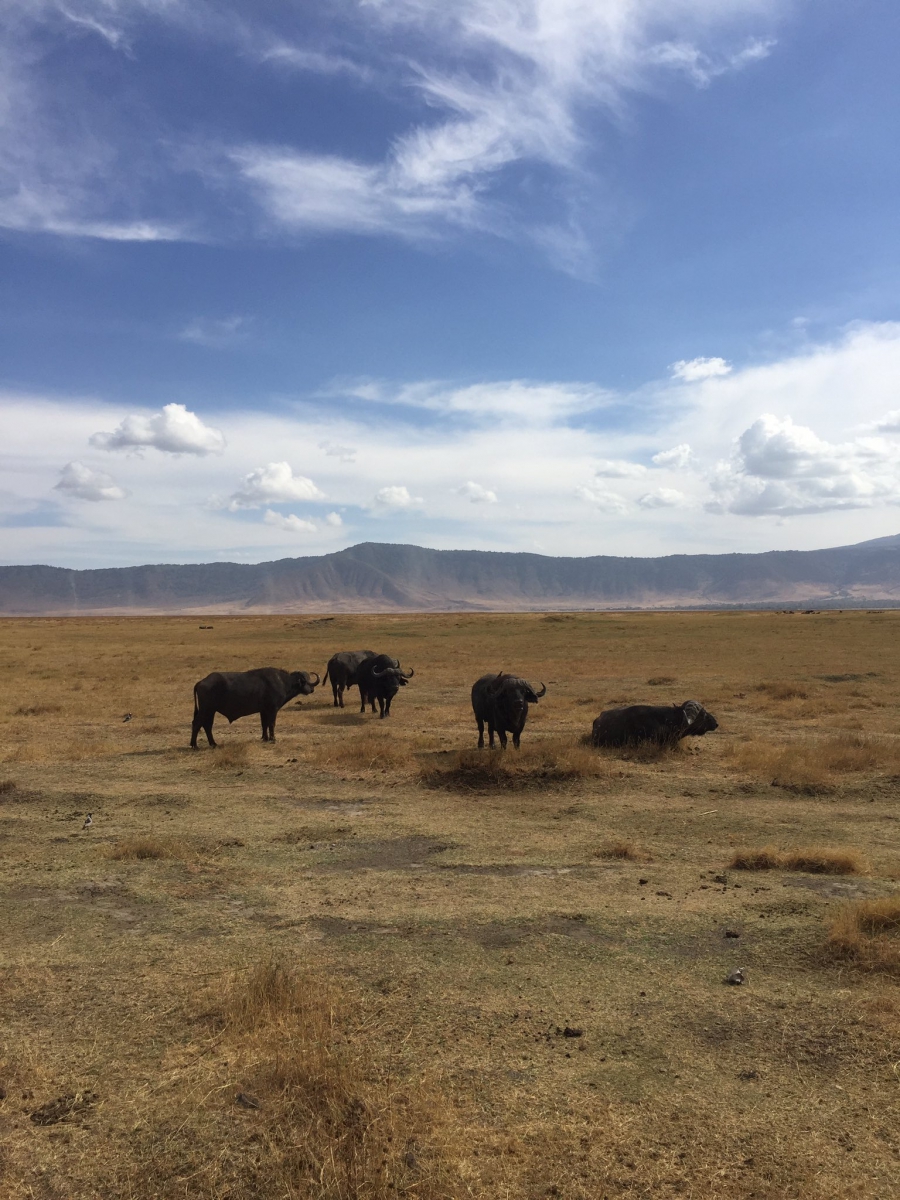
(527, 79)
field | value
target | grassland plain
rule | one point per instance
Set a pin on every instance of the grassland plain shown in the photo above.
(366, 961)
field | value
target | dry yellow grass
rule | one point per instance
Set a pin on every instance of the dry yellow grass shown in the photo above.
(433, 953)
(867, 933)
(136, 848)
(623, 850)
(814, 860)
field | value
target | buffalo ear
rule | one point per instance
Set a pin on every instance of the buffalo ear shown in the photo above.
(531, 696)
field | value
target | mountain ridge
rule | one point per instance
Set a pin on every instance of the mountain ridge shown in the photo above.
(388, 577)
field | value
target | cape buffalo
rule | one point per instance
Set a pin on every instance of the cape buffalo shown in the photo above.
(502, 701)
(240, 693)
(659, 723)
(380, 679)
(341, 670)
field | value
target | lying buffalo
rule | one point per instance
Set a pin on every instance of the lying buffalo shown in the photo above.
(502, 702)
(241, 693)
(380, 678)
(341, 670)
(658, 723)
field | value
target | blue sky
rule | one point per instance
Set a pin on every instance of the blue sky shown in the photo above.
(574, 276)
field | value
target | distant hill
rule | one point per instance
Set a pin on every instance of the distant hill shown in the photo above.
(374, 577)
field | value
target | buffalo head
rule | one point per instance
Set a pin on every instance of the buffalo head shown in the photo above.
(302, 683)
(698, 721)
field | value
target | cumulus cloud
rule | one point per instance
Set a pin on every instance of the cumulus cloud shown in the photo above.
(275, 483)
(83, 483)
(175, 430)
(619, 468)
(334, 519)
(780, 468)
(395, 496)
(679, 456)
(476, 493)
(700, 368)
(608, 502)
(662, 498)
(290, 523)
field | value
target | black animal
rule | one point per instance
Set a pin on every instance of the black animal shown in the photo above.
(240, 693)
(659, 723)
(380, 678)
(502, 702)
(341, 670)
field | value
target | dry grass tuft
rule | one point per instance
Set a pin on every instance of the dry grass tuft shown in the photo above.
(766, 859)
(536, 765)
(660, 680)
(867, 933)
(783, 691)
(226, 758)
(137, 848)
(37, 710)
(820, 860)
(7, 786)
(814, 860)
(373, 749)
(317, 1107)
(810, 767)
(623, 850)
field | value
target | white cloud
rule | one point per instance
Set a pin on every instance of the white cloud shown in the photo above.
(334, 519)
(335, 450)
(475, 493)
(290, 523)
(679, 457)
(275, 483)
(889, 423)
(513, 83)
(396, 497)
(780, 468)
(75, 479)
(175, 430)
(609, 502)
(700, 368)
(214, 333)
(662, 498)
(617, 468)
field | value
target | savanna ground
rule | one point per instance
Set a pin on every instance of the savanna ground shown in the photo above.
(358, 963)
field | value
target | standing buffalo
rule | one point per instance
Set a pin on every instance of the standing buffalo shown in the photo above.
(341, 670)
(241, 693)
(380, 679)
(659, 723)
(502, 701)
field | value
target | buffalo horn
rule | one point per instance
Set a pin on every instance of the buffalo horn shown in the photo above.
(407, 674)
(543, 691)
(318, 680)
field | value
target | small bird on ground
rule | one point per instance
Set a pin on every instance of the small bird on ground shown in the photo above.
(127, 717)
(735, 977)
(88, 821)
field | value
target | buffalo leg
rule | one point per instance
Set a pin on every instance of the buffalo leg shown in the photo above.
(204, 722)
(480, 733)
(501, 733)
(362, 701)
(490, 733)
(340, 697)
(195, 729)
